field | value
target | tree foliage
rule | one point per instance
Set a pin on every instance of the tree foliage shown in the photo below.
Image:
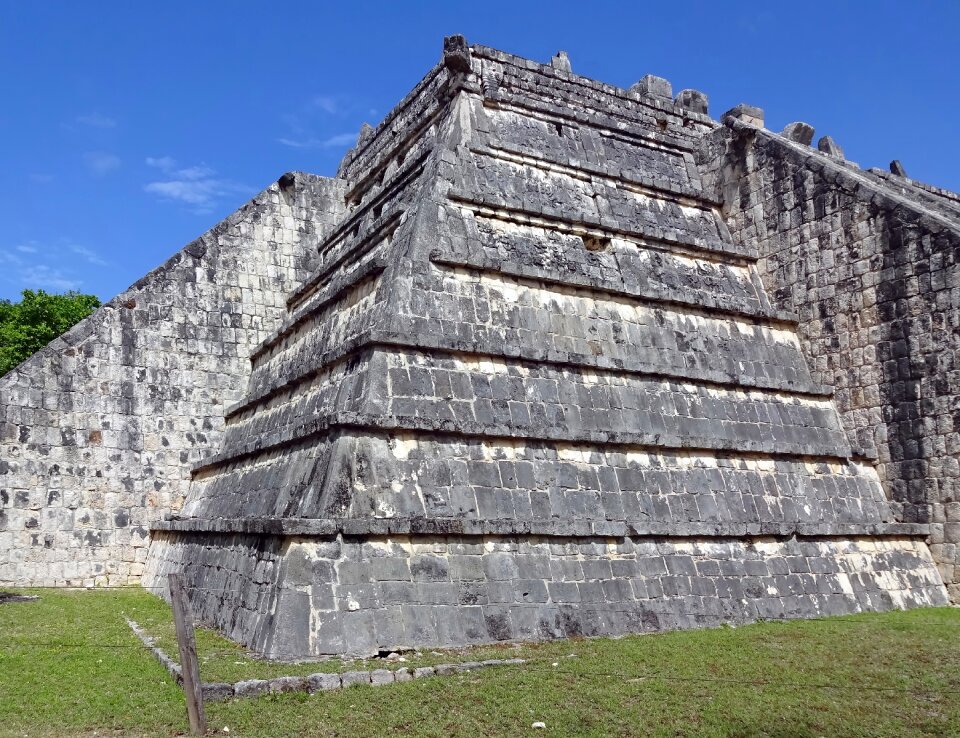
(29, 325)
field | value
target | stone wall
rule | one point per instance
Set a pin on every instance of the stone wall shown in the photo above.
(99, 430)
(871, 263)
(361, 595)
(534, 389)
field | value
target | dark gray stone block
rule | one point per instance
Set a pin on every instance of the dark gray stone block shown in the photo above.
(799, 132)
(830, 147)
(692, 100)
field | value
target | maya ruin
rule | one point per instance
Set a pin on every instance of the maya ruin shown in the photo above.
(546, 357)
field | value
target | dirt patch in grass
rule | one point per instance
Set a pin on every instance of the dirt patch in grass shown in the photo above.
(7, 597)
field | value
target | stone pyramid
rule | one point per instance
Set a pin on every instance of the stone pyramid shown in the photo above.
(533, 390)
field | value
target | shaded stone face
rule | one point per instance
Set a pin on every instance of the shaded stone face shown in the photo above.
(868, 259)
(508, 376)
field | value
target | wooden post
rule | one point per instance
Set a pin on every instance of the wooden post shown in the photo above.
(190, 668)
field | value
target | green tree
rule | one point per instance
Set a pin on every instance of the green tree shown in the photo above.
(29, 325)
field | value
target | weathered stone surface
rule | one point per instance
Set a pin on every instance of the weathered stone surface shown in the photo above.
(217, 691)
(532, 382)
(830, 147)
(693, 100)
(456, 54)
(749, 114)
(349, 678)
(868, 261)
(654, 86)
(322, 682)
(800, 132)
(517, 418)
(98, 430)
(251, 688)
(282, 685)
(562, 62)
(381, 676)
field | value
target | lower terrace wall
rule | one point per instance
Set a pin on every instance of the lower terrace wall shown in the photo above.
(875, 279)
(290, 596)
(99, 430)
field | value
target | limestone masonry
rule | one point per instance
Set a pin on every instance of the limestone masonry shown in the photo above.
(530, 366)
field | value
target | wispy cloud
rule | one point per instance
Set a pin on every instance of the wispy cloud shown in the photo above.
(308, 125)
(51, 267)
(40, 178)
(197, 186)
(96, 120)
(326, 103)
(336, 141)
(163, 163)
(89, 255)
(101, 163)
(46, 277)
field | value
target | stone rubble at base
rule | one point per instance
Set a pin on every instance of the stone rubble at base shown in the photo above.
(532, 370)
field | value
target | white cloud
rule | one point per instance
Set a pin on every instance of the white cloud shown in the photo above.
(341, 139)
(195, 173)
(45, 277)
(96, 120)
(197, 186)
(101, 163)
(326, 103)
(163, 163)
(28, 267)
(89, 254)
(308, 124)
(8, 257)
(50, 266)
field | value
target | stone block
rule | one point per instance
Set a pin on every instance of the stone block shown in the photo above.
(749, 114)
(322, 682)
(653, 86)
(350, 678)
(251, 688)
(281, 685)
(799, 132)
(692, 100)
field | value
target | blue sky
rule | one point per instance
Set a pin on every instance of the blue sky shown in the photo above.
(131, 128)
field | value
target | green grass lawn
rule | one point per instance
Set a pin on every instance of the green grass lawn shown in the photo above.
(69, 666)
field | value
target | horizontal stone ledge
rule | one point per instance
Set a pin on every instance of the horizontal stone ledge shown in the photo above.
(480, 262)
(657, 187)
(367, 241)
(524, 66)
(324, 424)
(607, 224)
(332, 527)
(422, 96)
(632, 367)
(338, 286)
(510, 96)
(369, 339)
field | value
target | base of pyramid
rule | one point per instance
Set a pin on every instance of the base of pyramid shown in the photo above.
(291, 589)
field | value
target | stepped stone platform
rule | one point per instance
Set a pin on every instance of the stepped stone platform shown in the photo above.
(532, 388)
